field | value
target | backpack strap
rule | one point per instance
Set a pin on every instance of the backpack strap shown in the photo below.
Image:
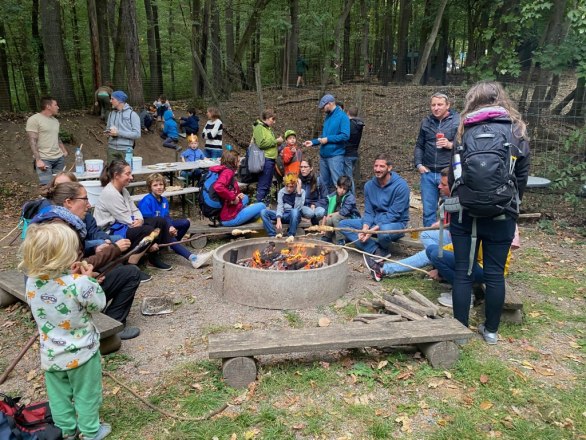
(473, 241)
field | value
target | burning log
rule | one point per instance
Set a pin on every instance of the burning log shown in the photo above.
(293, 257)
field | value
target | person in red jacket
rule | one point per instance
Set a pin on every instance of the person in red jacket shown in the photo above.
(235, 209)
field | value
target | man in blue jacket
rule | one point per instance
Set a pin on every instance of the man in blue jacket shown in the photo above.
(386, 208)
(335, 133)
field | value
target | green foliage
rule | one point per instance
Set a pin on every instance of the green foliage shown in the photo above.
(65, 136)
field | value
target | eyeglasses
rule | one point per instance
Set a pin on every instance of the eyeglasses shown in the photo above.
(80, 198)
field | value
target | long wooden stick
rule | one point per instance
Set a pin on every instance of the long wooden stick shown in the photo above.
(234, 232)
(320, 228)
(17, 359)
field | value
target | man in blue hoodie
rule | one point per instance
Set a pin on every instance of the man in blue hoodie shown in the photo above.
(335, 133)
(386, 208)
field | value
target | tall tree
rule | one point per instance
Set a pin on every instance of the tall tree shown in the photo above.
(364, 8)
(104, 40)
(423, 59)
(388, 15)
(77, 52)
(60, 77)
(197, 68)
(155, 70)
(5, 95)
(38, 44)
(216, 49)
(337, 46)
(404, 19)
(94, 43)
(132, 53)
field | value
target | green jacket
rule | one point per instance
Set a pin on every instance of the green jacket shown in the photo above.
(265, 139)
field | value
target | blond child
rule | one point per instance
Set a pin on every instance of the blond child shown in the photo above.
(63, 297)
(192, 154)
(290, 200)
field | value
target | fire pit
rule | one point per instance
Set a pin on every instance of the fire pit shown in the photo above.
(280, 283)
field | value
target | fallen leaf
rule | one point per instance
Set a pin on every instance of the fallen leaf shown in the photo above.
(423, 405)
(535, 314)
(405, 422)
(249, 435)
(382, 364)
(31, 375)
(483, 379)
(485, 405)
(325, 365)
(298, 426)
(234, 436)
(8, 324)
(197, 386)
(405, 375)
(324, 322)
(441, 422)
(448, 374)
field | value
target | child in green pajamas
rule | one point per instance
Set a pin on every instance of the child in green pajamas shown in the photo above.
(63, 296)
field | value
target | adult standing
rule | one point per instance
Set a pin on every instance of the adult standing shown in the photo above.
(122, 128)
(433, 151)
(120, 284)
(301, 67)
(386, 207)
(42, 129)
(351, 154)
(264, 137)
(335, 133)
(487, 104)
(102, 100)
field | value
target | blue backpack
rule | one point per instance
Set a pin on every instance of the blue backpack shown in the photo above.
(210, 202)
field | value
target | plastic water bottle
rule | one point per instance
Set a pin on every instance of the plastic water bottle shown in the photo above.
(457, 166)
(79, 164)
(128, 156)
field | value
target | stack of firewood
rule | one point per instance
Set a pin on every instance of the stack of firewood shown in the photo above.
(397, 306)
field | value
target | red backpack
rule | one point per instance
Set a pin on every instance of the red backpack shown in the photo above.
(32, 421)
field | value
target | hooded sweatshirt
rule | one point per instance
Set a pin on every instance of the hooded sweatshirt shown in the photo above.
(386, 204)
(337, 129)
(170, 127)
(128, 124)
(356, 127)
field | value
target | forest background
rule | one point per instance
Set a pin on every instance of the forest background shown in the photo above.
(204, 51)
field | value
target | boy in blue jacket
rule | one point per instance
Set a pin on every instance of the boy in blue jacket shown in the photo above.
(170, 131)
(341, 205)
(190, 124)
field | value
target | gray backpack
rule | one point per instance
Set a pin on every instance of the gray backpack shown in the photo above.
(256, 158)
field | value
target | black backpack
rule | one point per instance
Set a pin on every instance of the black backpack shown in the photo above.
(210, 202)
(487, 186)
(26, 422)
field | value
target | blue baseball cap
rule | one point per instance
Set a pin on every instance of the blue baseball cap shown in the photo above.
(326, 99)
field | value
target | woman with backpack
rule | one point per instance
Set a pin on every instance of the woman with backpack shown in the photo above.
(264, 137)
(492, 152)
(235, 209)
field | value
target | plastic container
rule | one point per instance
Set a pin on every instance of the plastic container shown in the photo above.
(128, 156)
(79, 165)
(94, 189)
(94, 165)
(136, 162)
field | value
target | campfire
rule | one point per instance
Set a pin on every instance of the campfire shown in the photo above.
(293, 257)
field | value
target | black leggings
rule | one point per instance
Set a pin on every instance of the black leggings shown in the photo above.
(138, 233)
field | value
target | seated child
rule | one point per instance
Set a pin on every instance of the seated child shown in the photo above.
(147, 117)
(192, 154)
(170, 131)
(162, 105)
(63, 298)
(291, 153)
(341, 205)
(290, 200)
(190, 124)
(155, 205)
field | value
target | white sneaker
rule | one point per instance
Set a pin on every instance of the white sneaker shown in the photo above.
(201, 259)
(446, 300)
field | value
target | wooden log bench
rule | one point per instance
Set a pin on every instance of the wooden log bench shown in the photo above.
(434, 337)
(12, 290)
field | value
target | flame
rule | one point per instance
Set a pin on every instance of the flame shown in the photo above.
(295, 257)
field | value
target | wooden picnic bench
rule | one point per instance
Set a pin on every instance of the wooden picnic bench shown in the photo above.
(12, 290)
(434, 337)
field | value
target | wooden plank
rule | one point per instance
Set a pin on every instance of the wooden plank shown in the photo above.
(334, 338)
(12, 282)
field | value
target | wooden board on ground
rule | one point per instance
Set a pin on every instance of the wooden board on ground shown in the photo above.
(12, 289)
(424, 333)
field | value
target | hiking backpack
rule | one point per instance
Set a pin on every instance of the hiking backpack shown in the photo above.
(26, 422)
(28, 211)
(210, 202)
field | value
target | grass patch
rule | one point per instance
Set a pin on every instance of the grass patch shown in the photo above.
(215, 329)
(293, 319)
(554, 286)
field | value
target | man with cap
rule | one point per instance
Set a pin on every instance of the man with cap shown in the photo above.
(335, 133)
(386, 208)
(122, 128)
(42, 129)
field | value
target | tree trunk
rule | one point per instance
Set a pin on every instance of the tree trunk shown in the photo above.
(158, 50)
(364, 7)
(38, 45)
(77, 55)
(229, 32)
(5, 95)
(22, 64)
(576, 114)
(386, 73)
(404, 19)
(346, 63)
(130, 34)
(337, 31)
(557, 110)
(155, 87)
(119, 73)
(429, 44)
(94, 44)
(59, 71)
(104, 39)
(293, 44)
(196, 70)
(216, 50)
(204, 37)
(171, 58)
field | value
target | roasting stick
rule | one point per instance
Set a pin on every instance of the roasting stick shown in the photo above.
(323, 228)
(234, 233)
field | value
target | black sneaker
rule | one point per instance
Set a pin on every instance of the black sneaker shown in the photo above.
(145, 277)
(375, 268)
(156, 262)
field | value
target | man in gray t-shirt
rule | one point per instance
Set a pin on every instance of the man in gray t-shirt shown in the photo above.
(42, 129)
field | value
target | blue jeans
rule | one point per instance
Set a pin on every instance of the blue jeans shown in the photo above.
(212, 153)
(496, 237)
(381, 244)
(349, 165)
(269, 216)
(53, 166)
(330, 169)
(265, 180)
(446, 265)
(169, 142)
(246, 214)
(429, 196)
(420, 259)
(314, 215)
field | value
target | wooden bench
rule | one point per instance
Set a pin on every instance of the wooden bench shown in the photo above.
(12, 290)
(434, 337)
(513, 306)
(181, 192)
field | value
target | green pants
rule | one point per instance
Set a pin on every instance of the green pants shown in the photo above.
(76, 391)
(115, 155)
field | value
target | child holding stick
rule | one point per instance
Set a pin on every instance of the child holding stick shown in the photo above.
(63, 297)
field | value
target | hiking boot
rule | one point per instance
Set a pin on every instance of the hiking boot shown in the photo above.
(446, 300)
(145, 277)
(489, 338)
(102, 433)
(374, 267)
(201, 259)
(156, 262)
(129, 333)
